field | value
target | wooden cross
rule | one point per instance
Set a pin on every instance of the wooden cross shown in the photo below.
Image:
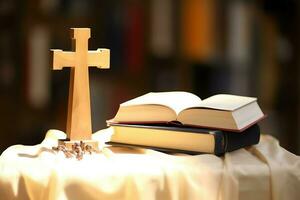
(79, 125)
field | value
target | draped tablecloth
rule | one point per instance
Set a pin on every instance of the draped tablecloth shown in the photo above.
(264, 171)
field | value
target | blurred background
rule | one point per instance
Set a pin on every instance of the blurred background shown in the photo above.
(243, 47)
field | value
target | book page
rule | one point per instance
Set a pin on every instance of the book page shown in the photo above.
(226, 102)
(176, 100)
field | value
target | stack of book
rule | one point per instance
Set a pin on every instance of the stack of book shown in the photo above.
(182, 122)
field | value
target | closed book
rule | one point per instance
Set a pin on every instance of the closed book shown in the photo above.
(198, 29)
(134, 36)
(162, 29)
(183, 139)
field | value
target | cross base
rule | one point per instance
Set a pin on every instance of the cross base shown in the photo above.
(68, 143)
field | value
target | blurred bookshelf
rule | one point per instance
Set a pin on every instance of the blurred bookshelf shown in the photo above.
(202, 46)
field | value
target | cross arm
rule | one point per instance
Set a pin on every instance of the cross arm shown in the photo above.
(62, 58)
(99, 58)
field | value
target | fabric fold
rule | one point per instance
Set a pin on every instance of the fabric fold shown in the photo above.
(263, 171)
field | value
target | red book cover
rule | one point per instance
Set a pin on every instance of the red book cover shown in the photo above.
(134, 36)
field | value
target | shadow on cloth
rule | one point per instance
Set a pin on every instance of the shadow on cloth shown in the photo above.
(7, 192)
(41, 150)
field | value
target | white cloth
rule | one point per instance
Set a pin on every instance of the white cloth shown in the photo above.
(263, 171)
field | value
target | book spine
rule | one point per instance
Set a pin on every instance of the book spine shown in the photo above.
(219, 143)
(161, 26)
(114, 32)
(39, 73)
(234, 141)
(134, 36)
(198, 29)
(239, 44)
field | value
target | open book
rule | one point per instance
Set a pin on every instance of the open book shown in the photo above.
(222, 111)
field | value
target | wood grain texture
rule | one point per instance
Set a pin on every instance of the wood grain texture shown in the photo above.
(79, 125)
